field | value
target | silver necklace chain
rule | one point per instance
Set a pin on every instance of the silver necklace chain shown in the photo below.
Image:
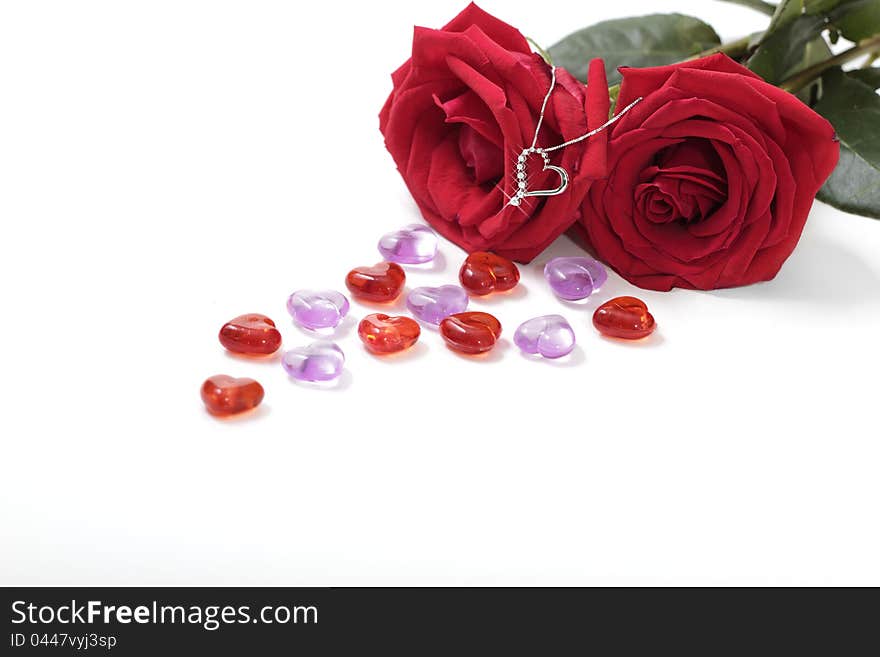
(522, 190)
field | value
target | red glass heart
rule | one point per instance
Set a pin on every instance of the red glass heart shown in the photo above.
(470, 332)
(484, 273)
(250, 334)
(382, 334)
(624, 317)
(381, 283)
(226, 395)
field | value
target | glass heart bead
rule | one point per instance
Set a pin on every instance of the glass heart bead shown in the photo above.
(484, 273)
(470, 332)
(432, 304)
(412, 245)
(317, 309)
(250, 334)
(226, 395)
(624, 317)
(382, 334)
(382, 282)
(319, 361)
(550, 336)
(575, 277)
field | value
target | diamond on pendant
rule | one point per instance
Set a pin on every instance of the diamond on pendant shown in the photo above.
(521, 175)
(514, 200)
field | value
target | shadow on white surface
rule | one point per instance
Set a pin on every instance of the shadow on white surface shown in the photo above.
(438, 264)
(418, 351)
(343, 382)
(821, 272)
(260, 412)
(575, 358)
(654, 340)
(591, 301)
(495, 355)
(256, 359)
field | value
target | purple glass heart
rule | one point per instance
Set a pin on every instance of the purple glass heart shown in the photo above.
(433, 304)
(412, 245)
(551, 336)
(575, 277)
(320, 361)
(317, 309)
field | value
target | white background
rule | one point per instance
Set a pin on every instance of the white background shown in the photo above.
(166, 166)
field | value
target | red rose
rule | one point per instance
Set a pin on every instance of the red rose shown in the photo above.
(710, 178)
(461, 111)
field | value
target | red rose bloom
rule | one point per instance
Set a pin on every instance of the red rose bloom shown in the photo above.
(710, 178)
(462, 109)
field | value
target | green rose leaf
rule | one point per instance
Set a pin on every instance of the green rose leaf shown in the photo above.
(815, 51)
(854, 186)
(855, 19)
(854, 110)
(858, 19)
(819, 6)
(867, 76)
(782, 50)
(653, 40)
(758, 5)
(796, 23)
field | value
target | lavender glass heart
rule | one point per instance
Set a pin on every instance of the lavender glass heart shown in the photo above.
(412, 245)
(317, 309)
(319, 361)
(551, 336)
(433, 304)
(574, 277)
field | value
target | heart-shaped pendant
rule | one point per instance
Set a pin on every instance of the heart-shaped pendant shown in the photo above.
(382, 334)
(624, 317)
(522, 187)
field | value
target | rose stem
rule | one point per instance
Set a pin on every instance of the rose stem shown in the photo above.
(797, 81)
(733, 49)
(800, 80)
